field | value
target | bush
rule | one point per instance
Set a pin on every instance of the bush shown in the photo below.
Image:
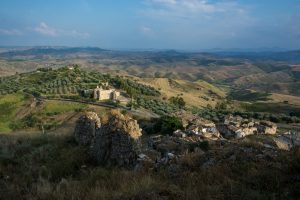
(178, 101)
(167, 125)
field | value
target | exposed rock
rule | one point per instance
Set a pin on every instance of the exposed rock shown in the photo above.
(116, 143)
(237, 127)
(287, 141)
(195, 125)
(86, 127)
(202, 127)
(179, 133)
(210, 132)
(154, 141)
(267, 127)
(227, 131)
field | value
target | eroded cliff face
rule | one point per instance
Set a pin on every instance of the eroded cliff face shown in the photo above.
(86, 128)
(115, 143)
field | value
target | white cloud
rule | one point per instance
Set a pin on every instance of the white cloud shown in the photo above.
(165, 1)
(191, 8)
(187, 23)
(46, 30)
(146, 29)
(77, 34)
(10, 32)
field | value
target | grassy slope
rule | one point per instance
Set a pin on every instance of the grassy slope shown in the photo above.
(274, 108)
(15, 107)
(9, 106)
(58, 107)
(191, 94)
(293, 100)
(55, 113)
(53, 167)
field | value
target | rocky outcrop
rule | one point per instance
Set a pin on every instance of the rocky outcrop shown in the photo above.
(117, 142)
(267, 127)
(287, 141)
(237, 127)
(86, 128)
(203, 128)
(195, 125)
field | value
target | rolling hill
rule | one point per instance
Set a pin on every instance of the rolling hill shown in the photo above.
(274, 72)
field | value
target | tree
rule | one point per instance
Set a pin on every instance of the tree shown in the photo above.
(209, 107)
(168, 124)
(178, 101)
(221, 105)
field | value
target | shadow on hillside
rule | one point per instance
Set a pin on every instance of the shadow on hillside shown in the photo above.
(37, 166)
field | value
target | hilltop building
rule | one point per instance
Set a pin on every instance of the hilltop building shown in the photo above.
(105, 94)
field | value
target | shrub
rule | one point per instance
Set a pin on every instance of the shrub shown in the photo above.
(178, 101)
(167, 125)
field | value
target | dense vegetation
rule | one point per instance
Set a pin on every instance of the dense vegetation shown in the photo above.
(157, 106)
(167, 125)
(66, 82)
(134, 88)
(248, 95)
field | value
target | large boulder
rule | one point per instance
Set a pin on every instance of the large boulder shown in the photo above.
(287, 141)
(267, 127)
(86, 128)
(117, 142)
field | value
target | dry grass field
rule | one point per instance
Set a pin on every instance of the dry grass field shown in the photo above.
(198, 94)
(292, 100)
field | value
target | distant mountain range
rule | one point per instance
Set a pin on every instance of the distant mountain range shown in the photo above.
(289, 56)
(40, 52)
(51, 51)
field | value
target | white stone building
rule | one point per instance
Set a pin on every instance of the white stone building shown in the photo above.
(105, 94)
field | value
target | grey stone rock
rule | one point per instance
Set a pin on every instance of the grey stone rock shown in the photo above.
(117, 143)
(287, 141)
(86, 128)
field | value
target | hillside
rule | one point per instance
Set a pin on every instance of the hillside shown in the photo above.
(268, 73)
(198, 94)
(289, 56)
(175, 157)
(31, 92)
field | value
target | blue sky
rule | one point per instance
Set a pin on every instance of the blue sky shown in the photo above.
(158, 24)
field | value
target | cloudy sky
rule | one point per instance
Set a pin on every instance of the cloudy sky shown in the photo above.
(158, 24)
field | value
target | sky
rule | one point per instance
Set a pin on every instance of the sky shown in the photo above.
(151, 24)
